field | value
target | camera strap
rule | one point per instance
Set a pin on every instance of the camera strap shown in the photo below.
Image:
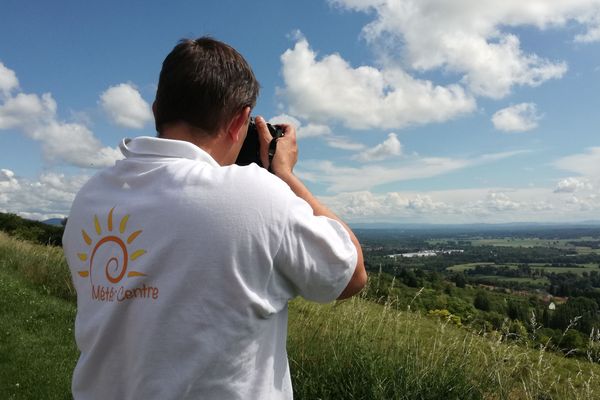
(272, 148)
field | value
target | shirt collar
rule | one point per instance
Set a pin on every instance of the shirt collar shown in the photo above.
(146, 146)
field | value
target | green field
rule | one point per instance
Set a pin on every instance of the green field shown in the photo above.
(576, 270)
(562, 244)
(354, 349)
(522, 242)
(541, 282)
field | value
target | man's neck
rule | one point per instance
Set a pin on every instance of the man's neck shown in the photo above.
(210, 143)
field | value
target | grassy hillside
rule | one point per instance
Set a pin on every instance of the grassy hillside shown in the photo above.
(37, 312)
(354, 349)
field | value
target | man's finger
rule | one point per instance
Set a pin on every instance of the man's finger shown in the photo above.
(264, 139)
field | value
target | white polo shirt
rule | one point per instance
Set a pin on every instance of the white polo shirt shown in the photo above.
(183, 270)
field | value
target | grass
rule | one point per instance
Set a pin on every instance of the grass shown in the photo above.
(42, 267)
(360, 350)
(354, 349)
(37, 347)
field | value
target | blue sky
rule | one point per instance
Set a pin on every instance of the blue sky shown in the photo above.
(407, 111)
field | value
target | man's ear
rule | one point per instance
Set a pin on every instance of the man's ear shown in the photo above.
(237, 122)
(154, 108)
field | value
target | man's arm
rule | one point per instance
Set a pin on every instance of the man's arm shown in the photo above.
(282, 165)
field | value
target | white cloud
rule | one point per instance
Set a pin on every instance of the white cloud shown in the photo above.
(343, 143)
(592, 34)
(484, 205)
(518, 118)
(303, 131)
(342, 178)
(498, 201)
(572, 184)
(389, 148)
(473, 38)
(72, 143)
(48, 196)
(586, 164)
(125, 106)
(330, 89)
(26, 110)
(8, 80)
(425, 204)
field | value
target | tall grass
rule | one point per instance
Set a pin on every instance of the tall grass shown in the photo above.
(43, 267)
(360, 350)
(355, 349)
(37, 313)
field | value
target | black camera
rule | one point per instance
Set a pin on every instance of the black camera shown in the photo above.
(250, 152)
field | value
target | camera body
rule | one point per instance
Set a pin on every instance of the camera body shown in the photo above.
(250, 151)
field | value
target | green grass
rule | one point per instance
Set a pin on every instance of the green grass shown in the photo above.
(37, 347)
(361, 350)
(354, 349)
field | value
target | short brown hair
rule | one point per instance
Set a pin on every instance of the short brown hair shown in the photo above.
(203, 82)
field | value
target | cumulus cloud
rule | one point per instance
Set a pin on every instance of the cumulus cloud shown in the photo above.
(473, 39)
(592, 34)
(71, 143)
(389, 148)
(8, 80)
(424, 203)
(302, 130)
(500, 202)
(571, 185)
(485, 205)
(518, 118)
(125, 106)
(330, 89)
(48, 196)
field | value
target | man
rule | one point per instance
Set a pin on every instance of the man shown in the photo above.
(184, 262)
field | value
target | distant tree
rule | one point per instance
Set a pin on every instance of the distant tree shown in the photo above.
(495, 319)
(409, 278)
(579, 313)
(459, 279)
(517, 310)
(482, 301)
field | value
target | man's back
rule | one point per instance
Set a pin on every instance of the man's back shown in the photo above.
(183, 270)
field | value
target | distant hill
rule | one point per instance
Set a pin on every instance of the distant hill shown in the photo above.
(32, 231)
(54, 221)
(471, 227)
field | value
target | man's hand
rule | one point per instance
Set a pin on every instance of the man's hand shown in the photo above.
(286, 154)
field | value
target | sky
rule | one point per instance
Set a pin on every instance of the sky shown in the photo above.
(407, 111)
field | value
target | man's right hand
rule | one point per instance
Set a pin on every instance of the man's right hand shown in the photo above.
(286, 154)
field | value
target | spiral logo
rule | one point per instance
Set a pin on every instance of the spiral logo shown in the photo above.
(110, 251)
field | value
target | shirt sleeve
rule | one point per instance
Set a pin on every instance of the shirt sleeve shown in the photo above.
(316, 254)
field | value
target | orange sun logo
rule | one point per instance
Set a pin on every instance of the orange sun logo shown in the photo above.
(110, 249)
